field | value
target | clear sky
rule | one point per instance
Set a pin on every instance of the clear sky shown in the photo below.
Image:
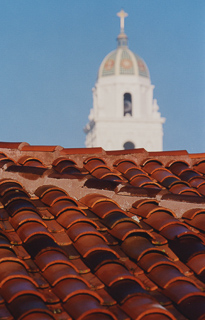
(50, 52)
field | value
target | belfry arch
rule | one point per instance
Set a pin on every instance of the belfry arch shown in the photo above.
(127, 104)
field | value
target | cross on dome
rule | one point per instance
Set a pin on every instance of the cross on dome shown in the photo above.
(122, 38)
(122, 15)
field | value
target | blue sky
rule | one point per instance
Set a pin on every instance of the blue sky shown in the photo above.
(50, 52)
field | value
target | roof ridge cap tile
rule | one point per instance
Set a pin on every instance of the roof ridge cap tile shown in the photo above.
(82, 151)
(13, 145)
(41, 148)
(125, 152)
(169, 153)
(197, 155)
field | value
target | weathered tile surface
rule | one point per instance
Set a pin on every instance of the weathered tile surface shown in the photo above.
(87, 234)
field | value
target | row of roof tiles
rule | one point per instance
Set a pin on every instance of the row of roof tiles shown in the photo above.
(24, 146)
(177, 176)
(60, 261)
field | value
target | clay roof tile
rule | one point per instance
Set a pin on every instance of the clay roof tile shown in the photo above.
(118, 243)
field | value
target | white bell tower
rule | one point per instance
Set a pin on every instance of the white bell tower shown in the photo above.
(124, 113)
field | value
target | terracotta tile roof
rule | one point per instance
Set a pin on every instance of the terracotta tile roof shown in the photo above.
(88, 234)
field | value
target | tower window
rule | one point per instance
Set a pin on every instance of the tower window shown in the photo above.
(127, 104)
(128, 145)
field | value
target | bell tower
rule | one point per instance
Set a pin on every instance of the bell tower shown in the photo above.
(124, 113)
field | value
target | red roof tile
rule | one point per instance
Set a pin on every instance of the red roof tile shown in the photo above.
(144, 306)
(90, 308)
(200, 166)
(101, 235)
(12, 145)
(82, 151)
(59, 271)
(40, 148)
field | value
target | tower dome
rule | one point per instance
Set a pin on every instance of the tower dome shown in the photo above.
(123, 61)
(124, 113)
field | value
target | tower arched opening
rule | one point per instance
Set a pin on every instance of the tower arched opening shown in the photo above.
(127, 104)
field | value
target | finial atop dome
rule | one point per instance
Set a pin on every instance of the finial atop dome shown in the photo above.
(122, 14)
(122, 38)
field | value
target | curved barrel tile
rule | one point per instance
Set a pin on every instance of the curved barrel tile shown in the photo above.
(59, 271)
(26, 305)
(150, 165)
(82, 306)
(16, 287)
(89, 243)
(139, 307)
(178, 166)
